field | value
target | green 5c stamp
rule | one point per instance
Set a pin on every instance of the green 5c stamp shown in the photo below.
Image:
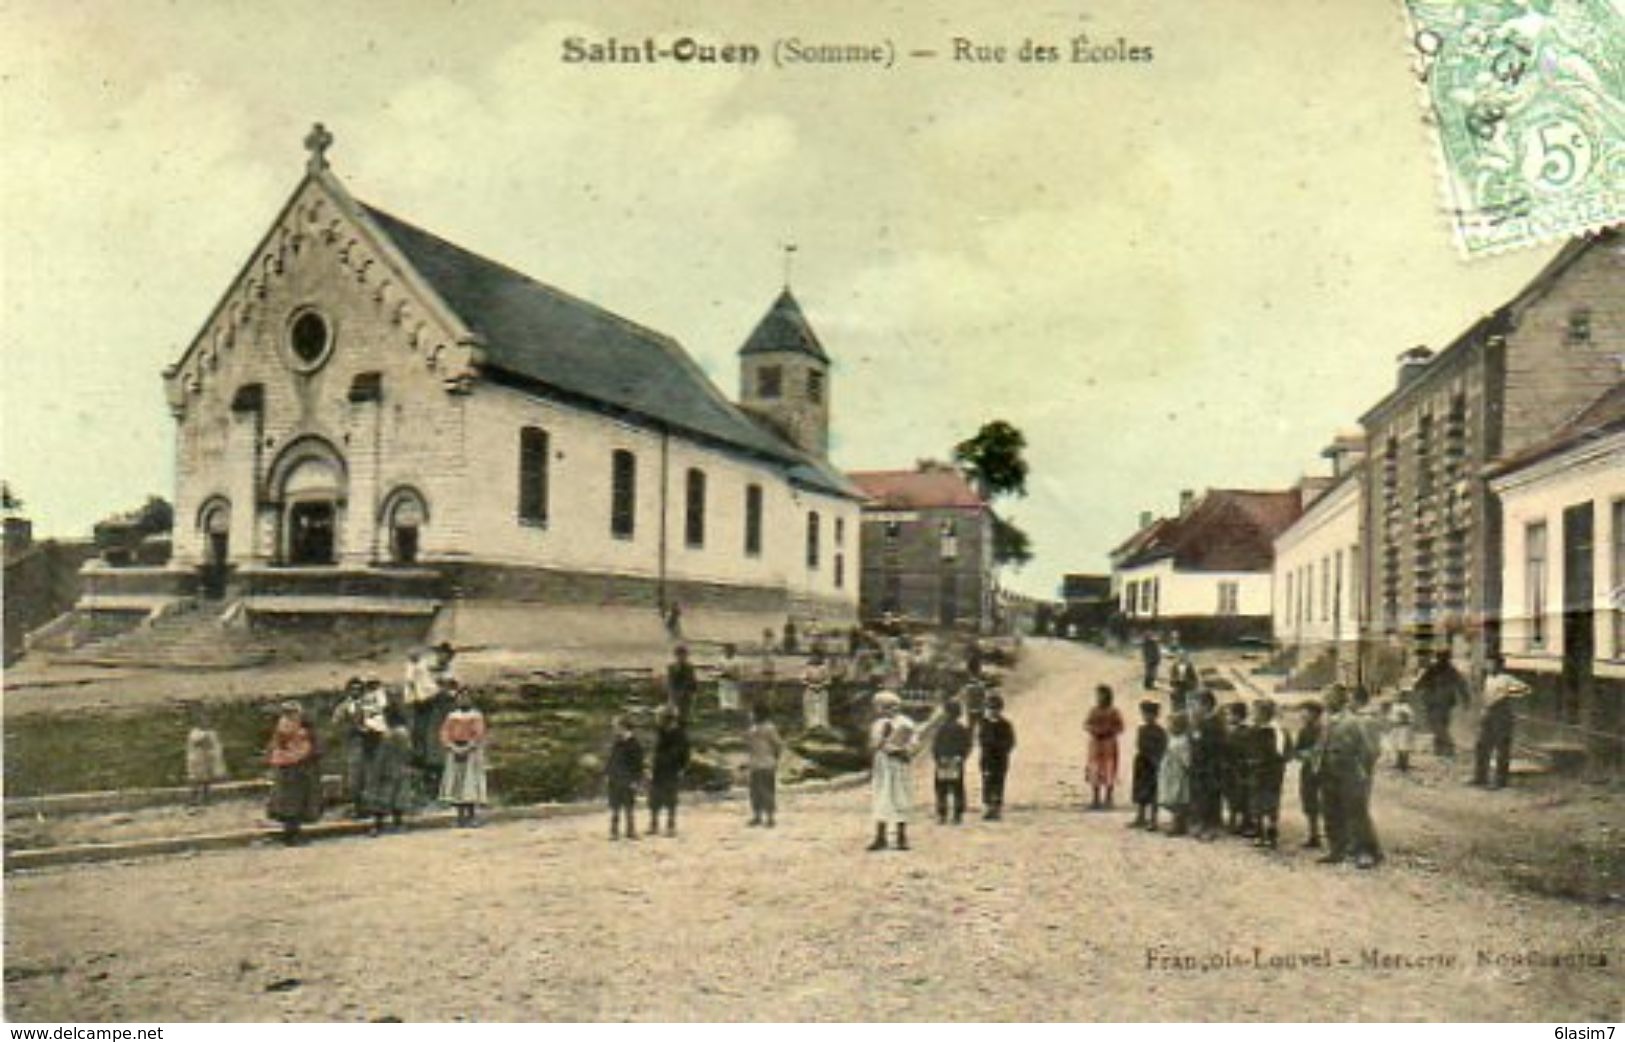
(1527, 101)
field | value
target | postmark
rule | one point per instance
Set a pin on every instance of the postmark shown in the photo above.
(1527, 103)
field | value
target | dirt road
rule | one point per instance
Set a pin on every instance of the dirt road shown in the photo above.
(1053, 914)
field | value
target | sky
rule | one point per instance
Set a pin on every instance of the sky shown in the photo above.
(1182, 273)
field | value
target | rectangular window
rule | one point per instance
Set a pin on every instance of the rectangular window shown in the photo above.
(1534, 578)
(815, 386)
(894, 531)
(840, 531)
(533, 449)
(1325, 589)
(769, 381)
(1287, 603)
(623, 500)
(1229, 596)
(1156, 595)
(812, 539)
(840, 571)
(753, 520)
(694, 516)
(1339, 591)
(1617, 597)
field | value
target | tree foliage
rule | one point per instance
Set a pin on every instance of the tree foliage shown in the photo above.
(1010, 544)
(993, 460)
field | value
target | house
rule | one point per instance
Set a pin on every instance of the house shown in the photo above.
(1317, 574)
(927, 548)
(1430, 529)
(374, 420)
(1562, 507)
(1205, 572)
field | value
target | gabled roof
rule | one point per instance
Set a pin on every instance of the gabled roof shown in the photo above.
(1508, 315)
(539, 333)
(1597, 420)
(1227, 530)
(784, 329)
(917, 489)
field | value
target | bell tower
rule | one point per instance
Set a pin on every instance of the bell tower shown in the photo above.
(784, 376)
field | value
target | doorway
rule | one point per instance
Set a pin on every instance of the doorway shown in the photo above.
(310, 532)
(1579, 612)
(216, 550)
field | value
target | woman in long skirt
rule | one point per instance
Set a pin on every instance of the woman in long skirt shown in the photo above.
(1174, 775)
(388, 790)
(295, 757)
(892, 739)
(728, 675)
(1104, 724)
(463, 736)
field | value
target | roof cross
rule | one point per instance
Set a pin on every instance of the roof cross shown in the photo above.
(789, 260)
(317, 143)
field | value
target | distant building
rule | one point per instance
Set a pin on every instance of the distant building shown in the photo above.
(927, 548)
(1086, 603)
(374, 420)
(1562, 505)
(1205, 572)
(1317, 573)
(1430, 530)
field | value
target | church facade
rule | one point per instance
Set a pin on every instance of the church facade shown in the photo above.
(374, 416)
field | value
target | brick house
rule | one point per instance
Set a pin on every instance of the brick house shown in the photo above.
(375, 419)
(1205, 572)
(1562, 504)
(927, 548)
(1430, 529)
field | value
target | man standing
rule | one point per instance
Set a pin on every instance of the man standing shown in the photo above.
(682, 684)
(1151, 655)
(1343, 768)
(1440, 688)
(1501, 692)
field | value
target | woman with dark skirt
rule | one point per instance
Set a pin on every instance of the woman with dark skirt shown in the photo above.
(295, 756)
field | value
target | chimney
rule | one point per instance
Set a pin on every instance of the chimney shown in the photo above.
(1412, 362)
(1145, 520)
(1187, 499)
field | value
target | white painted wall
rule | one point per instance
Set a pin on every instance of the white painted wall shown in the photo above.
(1593, 473)
(1194, 594)
(1317, 571)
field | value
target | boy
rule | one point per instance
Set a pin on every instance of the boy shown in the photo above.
(764, 745)
(1271, 748)
(624, 772)
(682, 684)
(1236, 768)
(1310, 735)
(1207, 753)
(998, 741)
(1150, 745)
(949, 750)
(670, 760)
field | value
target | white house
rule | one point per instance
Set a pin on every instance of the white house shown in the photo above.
(1205, 572)
(1317, 572)
(373, 418)
(1562, 622)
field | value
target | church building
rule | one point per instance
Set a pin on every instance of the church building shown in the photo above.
(374, 419)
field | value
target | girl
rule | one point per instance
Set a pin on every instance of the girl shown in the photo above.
(463, 736)
(387, 791)
(1104, 724)
(295, 757)
(728, 675)
(205, 757)
(1174, 774)
(815, 694)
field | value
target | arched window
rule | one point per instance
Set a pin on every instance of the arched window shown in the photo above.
(533, 475)
(623, 500)
(404, 516)
(694, 518)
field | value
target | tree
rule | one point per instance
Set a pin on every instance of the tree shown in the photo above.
(1010, 544)
(993, 462)
(10, 501)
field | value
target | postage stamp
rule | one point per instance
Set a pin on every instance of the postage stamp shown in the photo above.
(1527, 103)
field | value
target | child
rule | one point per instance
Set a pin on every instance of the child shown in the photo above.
(1271, 749)
(463, 736)
(765, 746)
(1174, 775)
(205, 757)
(1207, 753)
(892, 739)
(670, 760)
(1150, 745)
(1401, 735)
(1235, 769)
(623, 772)
(1310, 735)
(1104, 724)
(728, 675)
(949, 749)
(387, 791)
(815, 694)
(295, 757)
(998, 740)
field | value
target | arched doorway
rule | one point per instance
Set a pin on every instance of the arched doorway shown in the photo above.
(214, 524)
(404, 515)
(307, 483)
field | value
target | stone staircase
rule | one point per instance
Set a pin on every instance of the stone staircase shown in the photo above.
(190, 636)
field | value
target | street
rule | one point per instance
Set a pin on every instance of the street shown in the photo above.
(1052, 914)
